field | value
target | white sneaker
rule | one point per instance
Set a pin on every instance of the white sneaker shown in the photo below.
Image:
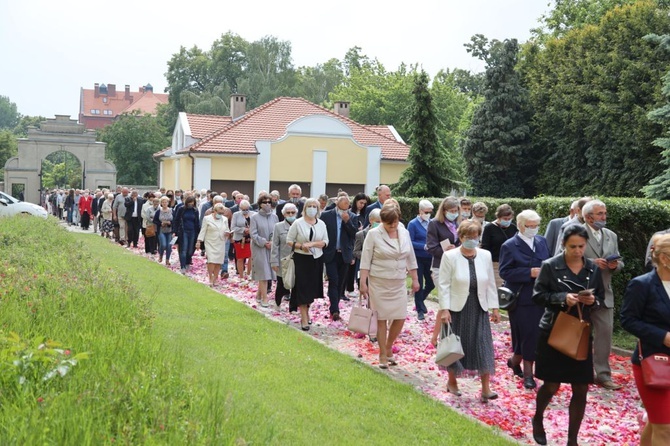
(353, 294)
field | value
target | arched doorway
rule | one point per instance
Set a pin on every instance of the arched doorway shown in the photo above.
(61, 134)
(61, 170)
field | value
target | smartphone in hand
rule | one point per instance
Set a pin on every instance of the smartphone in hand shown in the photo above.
(613, 257)
(586, 292)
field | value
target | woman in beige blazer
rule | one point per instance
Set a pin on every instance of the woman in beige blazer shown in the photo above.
(467, 291)
(386, 259)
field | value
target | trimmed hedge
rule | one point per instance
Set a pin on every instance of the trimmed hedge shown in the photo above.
(634, 220)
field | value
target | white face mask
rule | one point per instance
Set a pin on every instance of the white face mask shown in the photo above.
(425, 217)
(530, 232)
(311, 212)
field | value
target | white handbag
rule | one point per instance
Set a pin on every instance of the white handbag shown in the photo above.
(288, 270)
(449, 348)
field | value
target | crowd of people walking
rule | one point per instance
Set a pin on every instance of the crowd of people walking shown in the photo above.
(363, 249)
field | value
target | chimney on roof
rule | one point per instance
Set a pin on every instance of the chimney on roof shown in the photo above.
(96, 88)
(127, 93)
(341, 108)
(111, 90)
(238, 105)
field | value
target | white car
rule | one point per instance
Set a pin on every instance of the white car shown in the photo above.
(10, 206)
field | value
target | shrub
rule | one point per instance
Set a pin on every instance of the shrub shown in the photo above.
(634, 220)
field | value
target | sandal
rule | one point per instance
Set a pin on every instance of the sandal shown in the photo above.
(391, 360)
(454, 391)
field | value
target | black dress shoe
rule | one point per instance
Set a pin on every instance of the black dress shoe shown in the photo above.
(515, 368)
(336, 316)
(529, 382)
(539, 435)
(345, 298)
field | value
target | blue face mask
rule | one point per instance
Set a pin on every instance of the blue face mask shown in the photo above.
(470, 243)
(375, 224)
(451, 216)
(290, 218)
(505, 223)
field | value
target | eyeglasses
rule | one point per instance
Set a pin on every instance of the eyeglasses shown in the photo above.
(266, 202)
(290, 213)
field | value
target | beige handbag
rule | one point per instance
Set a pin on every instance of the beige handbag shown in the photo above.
(363, 320)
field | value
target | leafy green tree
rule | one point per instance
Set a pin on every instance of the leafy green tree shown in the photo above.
(428, 173)
(572, 14)
(497, 145)
(9, 116)
(591, 91)
(315, 83)
(659, 187)
(21, 129)
(131, 142)
(8, 149)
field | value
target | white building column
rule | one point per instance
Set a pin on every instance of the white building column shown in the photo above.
(262, 168)
(373, 176)
(319, 168)
(176, 174)
(202, 173)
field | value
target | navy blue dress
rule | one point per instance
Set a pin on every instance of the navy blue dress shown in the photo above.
(516, 260)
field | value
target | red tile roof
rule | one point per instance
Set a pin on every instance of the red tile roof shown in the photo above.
(270, 120)
(147, 103)
(203, 125)
(118, 103)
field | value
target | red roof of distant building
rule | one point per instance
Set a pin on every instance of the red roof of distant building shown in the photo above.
(270, 120)
(118, 101)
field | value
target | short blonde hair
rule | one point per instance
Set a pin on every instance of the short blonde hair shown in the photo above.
(660, 244)
(313, 201)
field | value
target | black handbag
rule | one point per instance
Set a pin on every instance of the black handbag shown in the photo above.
(507, 299)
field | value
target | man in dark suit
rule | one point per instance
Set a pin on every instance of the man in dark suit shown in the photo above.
(575, 219)
(232, 202)
(341, 225)
(133, 218)
(383, 194)
(294, 193)
(602, 247)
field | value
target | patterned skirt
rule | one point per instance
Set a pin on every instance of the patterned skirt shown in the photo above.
(473, 326)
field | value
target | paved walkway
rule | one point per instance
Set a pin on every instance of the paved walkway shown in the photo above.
(611, 417)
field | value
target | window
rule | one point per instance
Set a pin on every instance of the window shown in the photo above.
(107, 112)
(104, 100)
(95, 111)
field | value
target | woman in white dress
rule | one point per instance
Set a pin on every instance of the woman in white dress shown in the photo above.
(213, 233)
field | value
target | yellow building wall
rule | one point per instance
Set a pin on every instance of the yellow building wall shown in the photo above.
(168, 174)
(234, 168)
(292, 159)
(391, 172)
(185, 172)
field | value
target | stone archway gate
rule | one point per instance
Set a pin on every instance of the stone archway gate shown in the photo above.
(53, 135)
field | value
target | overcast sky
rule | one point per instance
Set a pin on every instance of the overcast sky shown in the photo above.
(49, 50)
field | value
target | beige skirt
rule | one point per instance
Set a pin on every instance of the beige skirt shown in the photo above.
(388, 297)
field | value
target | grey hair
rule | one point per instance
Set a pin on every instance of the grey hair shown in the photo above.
(289, 207)
(527, 215)
(244, 204)
(375, 215)
(218, 199)
(294, 186)
(588, 207)
(425, 204)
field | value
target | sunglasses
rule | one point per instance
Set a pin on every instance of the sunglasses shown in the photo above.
(266, 202)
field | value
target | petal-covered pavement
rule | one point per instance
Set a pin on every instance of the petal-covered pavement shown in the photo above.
(612, 418)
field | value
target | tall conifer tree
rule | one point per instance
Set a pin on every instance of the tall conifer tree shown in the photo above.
(497, 143)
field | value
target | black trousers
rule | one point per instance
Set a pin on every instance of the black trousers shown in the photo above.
(133, 227)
